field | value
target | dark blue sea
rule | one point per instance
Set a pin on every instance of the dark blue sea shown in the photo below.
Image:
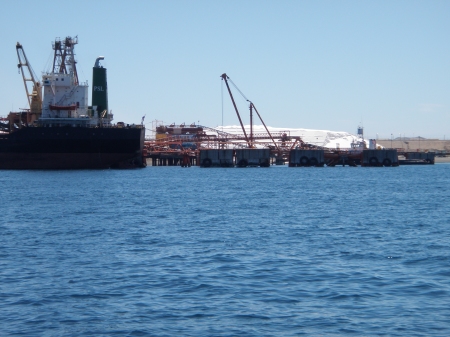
(170, 251)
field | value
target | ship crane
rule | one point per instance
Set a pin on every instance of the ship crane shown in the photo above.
(252, 107)
(34, 95)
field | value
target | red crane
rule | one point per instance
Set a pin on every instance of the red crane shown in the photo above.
(252, 107)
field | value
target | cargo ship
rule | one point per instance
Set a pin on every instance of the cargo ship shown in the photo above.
(60, 130)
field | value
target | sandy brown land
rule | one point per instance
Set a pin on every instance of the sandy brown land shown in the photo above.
(434, 145)
(423, 145)
(442, 159)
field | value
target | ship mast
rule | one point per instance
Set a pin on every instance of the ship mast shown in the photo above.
(64, 57)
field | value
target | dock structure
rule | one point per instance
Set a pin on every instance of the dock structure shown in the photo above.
(417, 158)
(216, 158)
(379, 158)
(194, 146)
(252, 157)
(307, 158)
(188, 145)
(342, 157)
(208, 147)
(172, 158)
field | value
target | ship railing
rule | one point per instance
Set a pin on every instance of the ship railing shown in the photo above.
(127, 126)
(109, 126)
(84, 124)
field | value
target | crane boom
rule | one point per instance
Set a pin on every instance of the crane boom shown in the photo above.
(252, 107)
(225, 78)
(34, 94)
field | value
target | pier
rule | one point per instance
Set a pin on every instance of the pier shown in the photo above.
(210, 151)
(195, 145)
(306, 158)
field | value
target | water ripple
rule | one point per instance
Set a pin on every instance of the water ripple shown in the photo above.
(193, 252)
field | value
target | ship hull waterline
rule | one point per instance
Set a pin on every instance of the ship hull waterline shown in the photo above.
(72, 148)
(72, 161)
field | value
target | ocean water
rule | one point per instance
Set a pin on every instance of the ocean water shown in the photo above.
(170, 251)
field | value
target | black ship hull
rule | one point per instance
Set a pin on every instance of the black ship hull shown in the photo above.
(72, 148)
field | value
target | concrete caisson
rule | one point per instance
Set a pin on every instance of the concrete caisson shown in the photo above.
(253, 157)
(216, 158)
(425, 157)
(299, 158)
(380, 158)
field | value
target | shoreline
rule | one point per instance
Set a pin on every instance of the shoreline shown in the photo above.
(441, 160)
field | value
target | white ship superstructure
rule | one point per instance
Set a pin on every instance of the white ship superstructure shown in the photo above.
(65, 99)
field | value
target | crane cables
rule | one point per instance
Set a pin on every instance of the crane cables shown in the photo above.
(235, 86)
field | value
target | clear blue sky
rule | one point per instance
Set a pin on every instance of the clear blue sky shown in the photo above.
(304, 64)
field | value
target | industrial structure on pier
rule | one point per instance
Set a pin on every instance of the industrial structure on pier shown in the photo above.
(259, 145)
